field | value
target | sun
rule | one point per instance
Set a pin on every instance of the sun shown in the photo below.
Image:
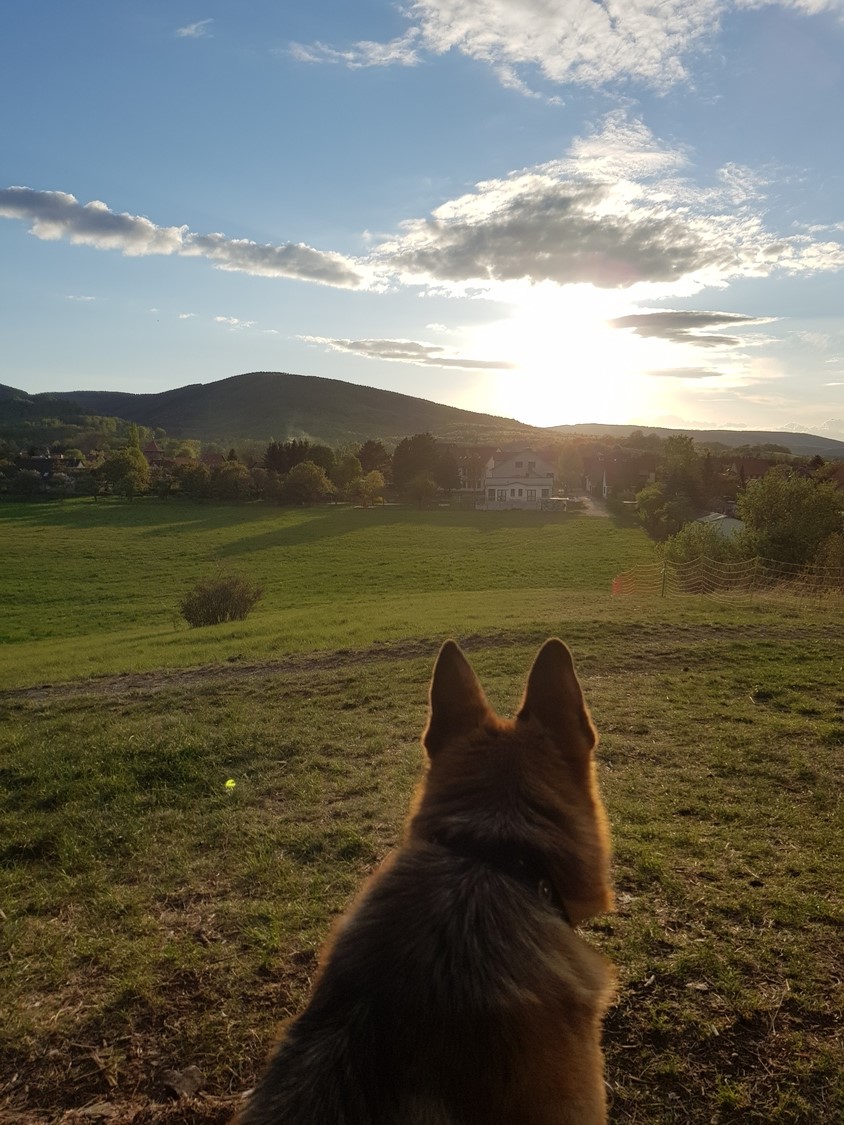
(570, 365)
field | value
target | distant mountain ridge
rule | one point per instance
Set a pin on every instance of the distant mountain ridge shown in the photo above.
(800, 444)
(261, 405)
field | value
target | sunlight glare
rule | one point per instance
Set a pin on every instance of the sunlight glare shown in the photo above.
(571, 366)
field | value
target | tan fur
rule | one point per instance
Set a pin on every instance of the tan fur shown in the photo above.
(455, 991)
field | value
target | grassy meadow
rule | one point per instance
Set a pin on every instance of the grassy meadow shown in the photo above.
(152, 917)
(92, 588)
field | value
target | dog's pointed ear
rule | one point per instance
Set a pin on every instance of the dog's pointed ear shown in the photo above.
(554, 699)
(458, 703)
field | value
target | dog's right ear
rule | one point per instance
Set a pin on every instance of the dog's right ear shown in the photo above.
(458, 703)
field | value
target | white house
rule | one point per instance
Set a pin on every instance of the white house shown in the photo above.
(517, 480)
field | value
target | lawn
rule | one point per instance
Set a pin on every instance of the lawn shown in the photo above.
(93, 588)
(154, 917)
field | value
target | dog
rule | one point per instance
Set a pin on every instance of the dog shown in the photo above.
(456, 990)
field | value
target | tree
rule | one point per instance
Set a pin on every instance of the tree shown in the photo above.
(788, 516)
(421, 489)
(661, 514)
(194, 480)
(373, 456)
(187, 448)
(162, 481)
(570, 467)
(414, 456)
(446, 472)
(127, 472)
(282, 457)
(702, 539)
(133, 440)
(346, 469)
(680, 471)
(27, 482)
(306, 483)
(323, 456)
(231, 481)
(368, 489)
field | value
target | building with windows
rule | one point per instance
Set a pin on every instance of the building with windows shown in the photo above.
(517, 480)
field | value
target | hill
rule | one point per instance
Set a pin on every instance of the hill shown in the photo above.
(262, 405)
(801, 445)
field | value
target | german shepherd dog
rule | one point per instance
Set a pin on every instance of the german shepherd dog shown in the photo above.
(456, 991)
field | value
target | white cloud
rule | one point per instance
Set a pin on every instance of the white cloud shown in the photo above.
(407, 351)
(186, 316)
(614, 213)
(398, 52)
(198, 30)
(74, 297)
(586, 42)
(234, 322)
(572, 40)
(620, 211)
(57, 215)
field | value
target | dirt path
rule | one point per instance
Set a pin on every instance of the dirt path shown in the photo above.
(657, 638)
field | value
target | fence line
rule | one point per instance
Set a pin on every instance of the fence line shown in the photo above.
(733, 582)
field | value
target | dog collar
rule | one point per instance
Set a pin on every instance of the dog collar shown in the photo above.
(521, 864)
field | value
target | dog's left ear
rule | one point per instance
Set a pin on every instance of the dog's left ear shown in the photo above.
(458, 703)
(553, 697)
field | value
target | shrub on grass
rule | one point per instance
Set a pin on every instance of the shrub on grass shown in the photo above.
(219, 598)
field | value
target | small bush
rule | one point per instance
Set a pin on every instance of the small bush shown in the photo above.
(222, 597)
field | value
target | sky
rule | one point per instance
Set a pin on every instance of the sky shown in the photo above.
(560, 211)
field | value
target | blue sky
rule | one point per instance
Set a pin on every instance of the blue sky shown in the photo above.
(555, 210)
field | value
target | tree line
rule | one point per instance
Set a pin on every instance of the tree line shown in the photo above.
(291, 472)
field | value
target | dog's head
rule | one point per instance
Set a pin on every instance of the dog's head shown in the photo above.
(528, 783)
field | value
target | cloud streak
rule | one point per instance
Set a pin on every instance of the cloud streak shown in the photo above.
(55, 215)
(198, 30)
(397, 52)
(688, 327)
(685, 373)
(408, 351)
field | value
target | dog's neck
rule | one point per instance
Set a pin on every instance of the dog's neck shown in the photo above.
(518, 863)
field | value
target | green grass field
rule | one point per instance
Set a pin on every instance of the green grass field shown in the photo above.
(92, 588)
(154, 918)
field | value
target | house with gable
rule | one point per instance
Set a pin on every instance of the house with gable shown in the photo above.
(472, 462)
(153, 452)
(517, 480)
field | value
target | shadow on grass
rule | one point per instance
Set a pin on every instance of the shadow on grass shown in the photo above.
(331, 523)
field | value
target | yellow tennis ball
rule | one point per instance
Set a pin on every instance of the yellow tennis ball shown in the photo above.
(230, 784)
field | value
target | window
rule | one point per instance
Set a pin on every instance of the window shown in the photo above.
(502, 494)
(520, 492)
(512, 492)
(531, 466)
(531, 494)
(546, 492)
(520, 464)
(490, 494)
